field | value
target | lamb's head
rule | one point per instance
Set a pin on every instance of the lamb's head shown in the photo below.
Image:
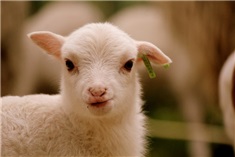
(99, 63)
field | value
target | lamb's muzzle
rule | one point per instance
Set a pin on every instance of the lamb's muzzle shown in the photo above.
(98, 91)
(99, 99)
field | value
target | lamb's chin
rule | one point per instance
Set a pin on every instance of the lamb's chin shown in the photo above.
(100, 108)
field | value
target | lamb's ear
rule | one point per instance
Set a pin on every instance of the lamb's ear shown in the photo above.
(48, 41)
(154, 54)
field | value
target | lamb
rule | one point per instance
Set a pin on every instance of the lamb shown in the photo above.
(98, 111)
(227, 95)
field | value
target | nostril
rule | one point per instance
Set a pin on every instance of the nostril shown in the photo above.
(97, 91)
(102, 94)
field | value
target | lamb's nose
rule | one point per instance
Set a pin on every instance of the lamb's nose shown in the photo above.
(97, 91)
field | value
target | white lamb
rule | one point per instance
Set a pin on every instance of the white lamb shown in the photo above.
(227, 96)
(98, 111)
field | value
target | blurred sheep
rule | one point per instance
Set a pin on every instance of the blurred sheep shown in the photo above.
(227, 96)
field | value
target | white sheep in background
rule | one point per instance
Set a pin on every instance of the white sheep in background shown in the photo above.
(98, 111)
(227, 96)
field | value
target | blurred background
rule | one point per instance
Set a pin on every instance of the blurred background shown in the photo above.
(182, 103)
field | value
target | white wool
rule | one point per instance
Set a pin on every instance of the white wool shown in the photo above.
(226, 85)
(98, 111)
(36, 125)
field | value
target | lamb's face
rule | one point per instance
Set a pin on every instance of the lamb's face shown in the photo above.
(100, 69)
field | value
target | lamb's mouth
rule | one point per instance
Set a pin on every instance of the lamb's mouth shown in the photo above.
(100, 103)
(100, 108)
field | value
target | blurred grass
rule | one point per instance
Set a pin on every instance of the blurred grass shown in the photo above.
(176, 148)
(161, 102)
(170, 138)
(111, 7)
(108, 7)
(36, 6)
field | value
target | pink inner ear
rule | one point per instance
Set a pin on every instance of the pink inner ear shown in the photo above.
(154, 54)
(48, 42)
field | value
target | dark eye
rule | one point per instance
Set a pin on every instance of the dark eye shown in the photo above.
(69, 65)
(128, 65)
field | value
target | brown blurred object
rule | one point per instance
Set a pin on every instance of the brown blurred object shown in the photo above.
(207, 29)
(13, 15)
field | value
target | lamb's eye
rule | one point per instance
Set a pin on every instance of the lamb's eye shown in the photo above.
(69, 64)
(128, 65)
